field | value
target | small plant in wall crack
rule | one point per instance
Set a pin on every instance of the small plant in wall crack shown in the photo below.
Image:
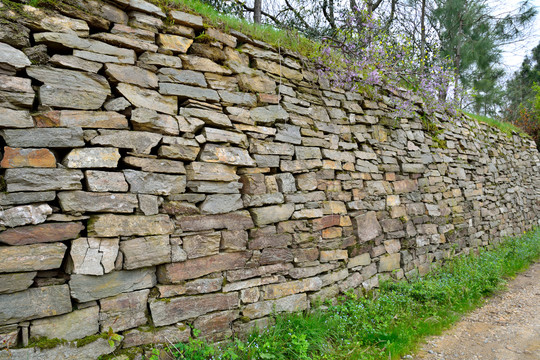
(113, 337)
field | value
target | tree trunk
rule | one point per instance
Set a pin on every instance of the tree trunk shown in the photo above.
(457, 60)
(423, 33)
(257, 11)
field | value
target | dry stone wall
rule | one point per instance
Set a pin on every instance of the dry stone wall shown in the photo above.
(155, 178)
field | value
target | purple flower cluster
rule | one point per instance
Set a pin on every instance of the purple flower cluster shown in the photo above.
(364, 57)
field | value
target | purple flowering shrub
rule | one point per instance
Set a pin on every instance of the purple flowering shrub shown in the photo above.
(363, 57)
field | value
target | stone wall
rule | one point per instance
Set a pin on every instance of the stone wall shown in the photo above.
(155, 179)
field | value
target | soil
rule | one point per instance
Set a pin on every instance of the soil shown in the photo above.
(507, 327)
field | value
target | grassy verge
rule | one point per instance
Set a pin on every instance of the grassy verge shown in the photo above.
(285, 38)
(504, 126)
(387, 323)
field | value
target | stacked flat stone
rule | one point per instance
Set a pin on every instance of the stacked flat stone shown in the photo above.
(155, 179)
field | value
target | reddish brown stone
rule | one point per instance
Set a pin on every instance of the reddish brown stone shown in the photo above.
(326, 222)
(405, 186)
(253, 184)
(34, 234)
(269, 98)
(186, 307)
(177, 272)
(48, 119)
(303, 255)
(215, 323)
(274, 256)
(17, 157)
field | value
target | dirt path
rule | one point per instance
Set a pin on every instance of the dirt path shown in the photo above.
(507, 327)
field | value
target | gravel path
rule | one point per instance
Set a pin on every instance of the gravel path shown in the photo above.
(507, 327)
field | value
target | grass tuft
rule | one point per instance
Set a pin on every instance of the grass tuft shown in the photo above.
(504, 126)
(387, 323)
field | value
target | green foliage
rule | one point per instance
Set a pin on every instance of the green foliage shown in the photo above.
(45, 343)
(383, 324)
(113, 337)
(502, 125)
(289, 39)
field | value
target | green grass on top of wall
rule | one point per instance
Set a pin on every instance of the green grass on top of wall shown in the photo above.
(504, 126)
(288, 39)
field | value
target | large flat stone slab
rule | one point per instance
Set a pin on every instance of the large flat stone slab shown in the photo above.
(182, 308)
(142, 182)
(44, 137)
(24, 215)
(25, 179)
(289, 303)
(140, 142)
(30, 258)
(367, 226)
(20, 158)
(272, 214)
(34, 303)
(14, 282)
(85, 158)
(150, 120)
(226, 155)
(70, 89)
(93, 119)
(191, 269)
(10, 118)
(123, 311)
(71, 326)
(146, 251)
(156, 165)
(42, 233)
(161, 335)
(87, 288)
(72, 41)
(239, 220)
(11, 59)
(82, 201)
(149, 99)
(109, 225)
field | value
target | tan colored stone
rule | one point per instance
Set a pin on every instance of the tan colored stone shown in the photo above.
(132, 75)
(333, 255)
(389, 262)
(367, 226)
(146, 251)
(123, 311)
(174, 43)
(149, 99)
(74, 325)
(15, 118)
(275, 291)
(93, 119)
(110, 225)
(92, 158)
(31, 257)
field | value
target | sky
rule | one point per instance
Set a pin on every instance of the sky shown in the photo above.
(513, 55)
